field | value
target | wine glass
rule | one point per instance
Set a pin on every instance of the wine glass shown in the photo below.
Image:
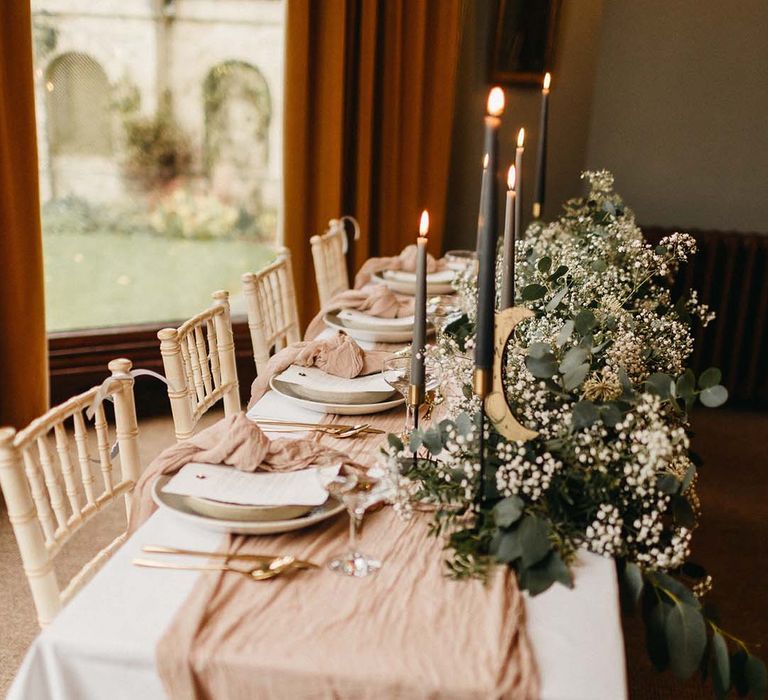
(356, 491)
(459, 259)
(397, 373)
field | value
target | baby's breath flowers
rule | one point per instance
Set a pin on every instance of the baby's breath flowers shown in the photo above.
(599, 373)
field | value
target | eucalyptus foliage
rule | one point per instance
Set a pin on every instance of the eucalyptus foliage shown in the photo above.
(600, 374)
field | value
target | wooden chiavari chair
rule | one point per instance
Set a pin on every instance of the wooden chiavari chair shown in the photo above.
(50, 495)
(200, 368)
(329, 253)
(273, 317)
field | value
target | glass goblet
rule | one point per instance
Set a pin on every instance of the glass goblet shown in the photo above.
(356, 491)
(397, 373)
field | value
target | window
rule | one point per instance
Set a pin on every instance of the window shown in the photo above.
(159, 141)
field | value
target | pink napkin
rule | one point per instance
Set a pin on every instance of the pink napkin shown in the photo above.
(338, 355)
(406, 262)
(237, 442)
(374, 300)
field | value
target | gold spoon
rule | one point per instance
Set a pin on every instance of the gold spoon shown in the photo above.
(261, 558)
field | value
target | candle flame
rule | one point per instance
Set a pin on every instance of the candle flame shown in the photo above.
(424, 223)
(521, 137)
(496, 102)
(485, 161)
(547, 80)
(511, 174)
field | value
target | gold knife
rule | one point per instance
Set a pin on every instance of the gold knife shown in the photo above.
(160, 549)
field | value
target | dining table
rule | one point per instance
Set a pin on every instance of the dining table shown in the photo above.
(103, 643)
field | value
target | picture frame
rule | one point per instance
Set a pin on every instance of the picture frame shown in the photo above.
(523, 36)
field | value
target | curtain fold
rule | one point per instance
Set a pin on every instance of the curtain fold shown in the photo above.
(369, 95)
(23, 345)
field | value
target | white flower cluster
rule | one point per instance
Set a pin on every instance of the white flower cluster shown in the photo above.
(604, 534)
(524, 473)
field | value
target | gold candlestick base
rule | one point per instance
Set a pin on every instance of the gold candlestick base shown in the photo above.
(481, 382)
(536, 210)
(415, 395)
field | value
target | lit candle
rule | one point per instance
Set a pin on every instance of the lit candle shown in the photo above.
(420, 311)
(541, 160)
(486, 280)
(483, 188)
(488, 194)
(508, 279)
(519, 182)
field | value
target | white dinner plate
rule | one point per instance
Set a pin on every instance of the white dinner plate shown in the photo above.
(181, 507)
(341, 409)
(351, 393)
(405, 284)
(332, 320)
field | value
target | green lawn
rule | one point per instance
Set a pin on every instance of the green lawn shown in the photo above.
(108, 279)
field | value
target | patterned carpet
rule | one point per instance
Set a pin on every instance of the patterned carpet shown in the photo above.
(732, 543)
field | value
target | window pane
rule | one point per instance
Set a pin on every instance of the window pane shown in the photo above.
(159, 141)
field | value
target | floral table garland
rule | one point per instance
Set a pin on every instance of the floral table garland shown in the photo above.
(600, 373)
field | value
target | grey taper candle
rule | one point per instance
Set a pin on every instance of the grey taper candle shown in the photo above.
(420, 308)
(486, 281)
(541, 156)
(508, 267)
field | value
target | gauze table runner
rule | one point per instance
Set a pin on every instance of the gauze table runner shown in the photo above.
(406, 632)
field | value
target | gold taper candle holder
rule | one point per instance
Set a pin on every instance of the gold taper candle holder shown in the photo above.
(536, 210)
(481, 382)
(415, 395)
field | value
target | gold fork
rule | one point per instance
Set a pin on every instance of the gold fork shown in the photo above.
(263, 558)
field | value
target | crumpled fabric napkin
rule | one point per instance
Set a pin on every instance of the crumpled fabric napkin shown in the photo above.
(339, 355)
(374, 300)
(406, 262)
(237, 442)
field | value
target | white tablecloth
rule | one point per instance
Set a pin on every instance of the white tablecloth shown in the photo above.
(102, 645)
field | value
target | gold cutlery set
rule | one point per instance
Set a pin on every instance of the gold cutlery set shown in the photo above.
(259, 567)
(335, 430)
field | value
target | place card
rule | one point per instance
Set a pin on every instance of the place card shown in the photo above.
(225, 484)
(316, 379)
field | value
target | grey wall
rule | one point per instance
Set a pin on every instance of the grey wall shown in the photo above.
(571, 97)
(672, 96)
(680, 111)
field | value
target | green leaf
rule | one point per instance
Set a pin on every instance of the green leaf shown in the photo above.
(599, 266)
(539, 350)
(542, 367)
(610, 414)
(432, 440)
(631, 586)
(508, 511)
(686, 384)
(534, 538)
(686, 639)
(556, 300)
(584, 415)
(655, 635)
(395, 442)
(575, 377)
(739, 678)
(584, 322)
(678, 589)
(509, 546)
(667, 483)
(464, 424)
(683, 512)
(559, 272)
(714, 396)
(628, 392)
(710, 377)
(532, 292)
(659, 384)
(416, 440)
(565, 333)
(537, 579)
(721, 666)
(754, 670)
(544, 264)
(573, 358)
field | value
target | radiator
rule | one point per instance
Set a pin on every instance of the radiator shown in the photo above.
(730, 271)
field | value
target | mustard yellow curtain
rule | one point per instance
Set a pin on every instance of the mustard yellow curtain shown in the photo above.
(23, 356)
(369, 95)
